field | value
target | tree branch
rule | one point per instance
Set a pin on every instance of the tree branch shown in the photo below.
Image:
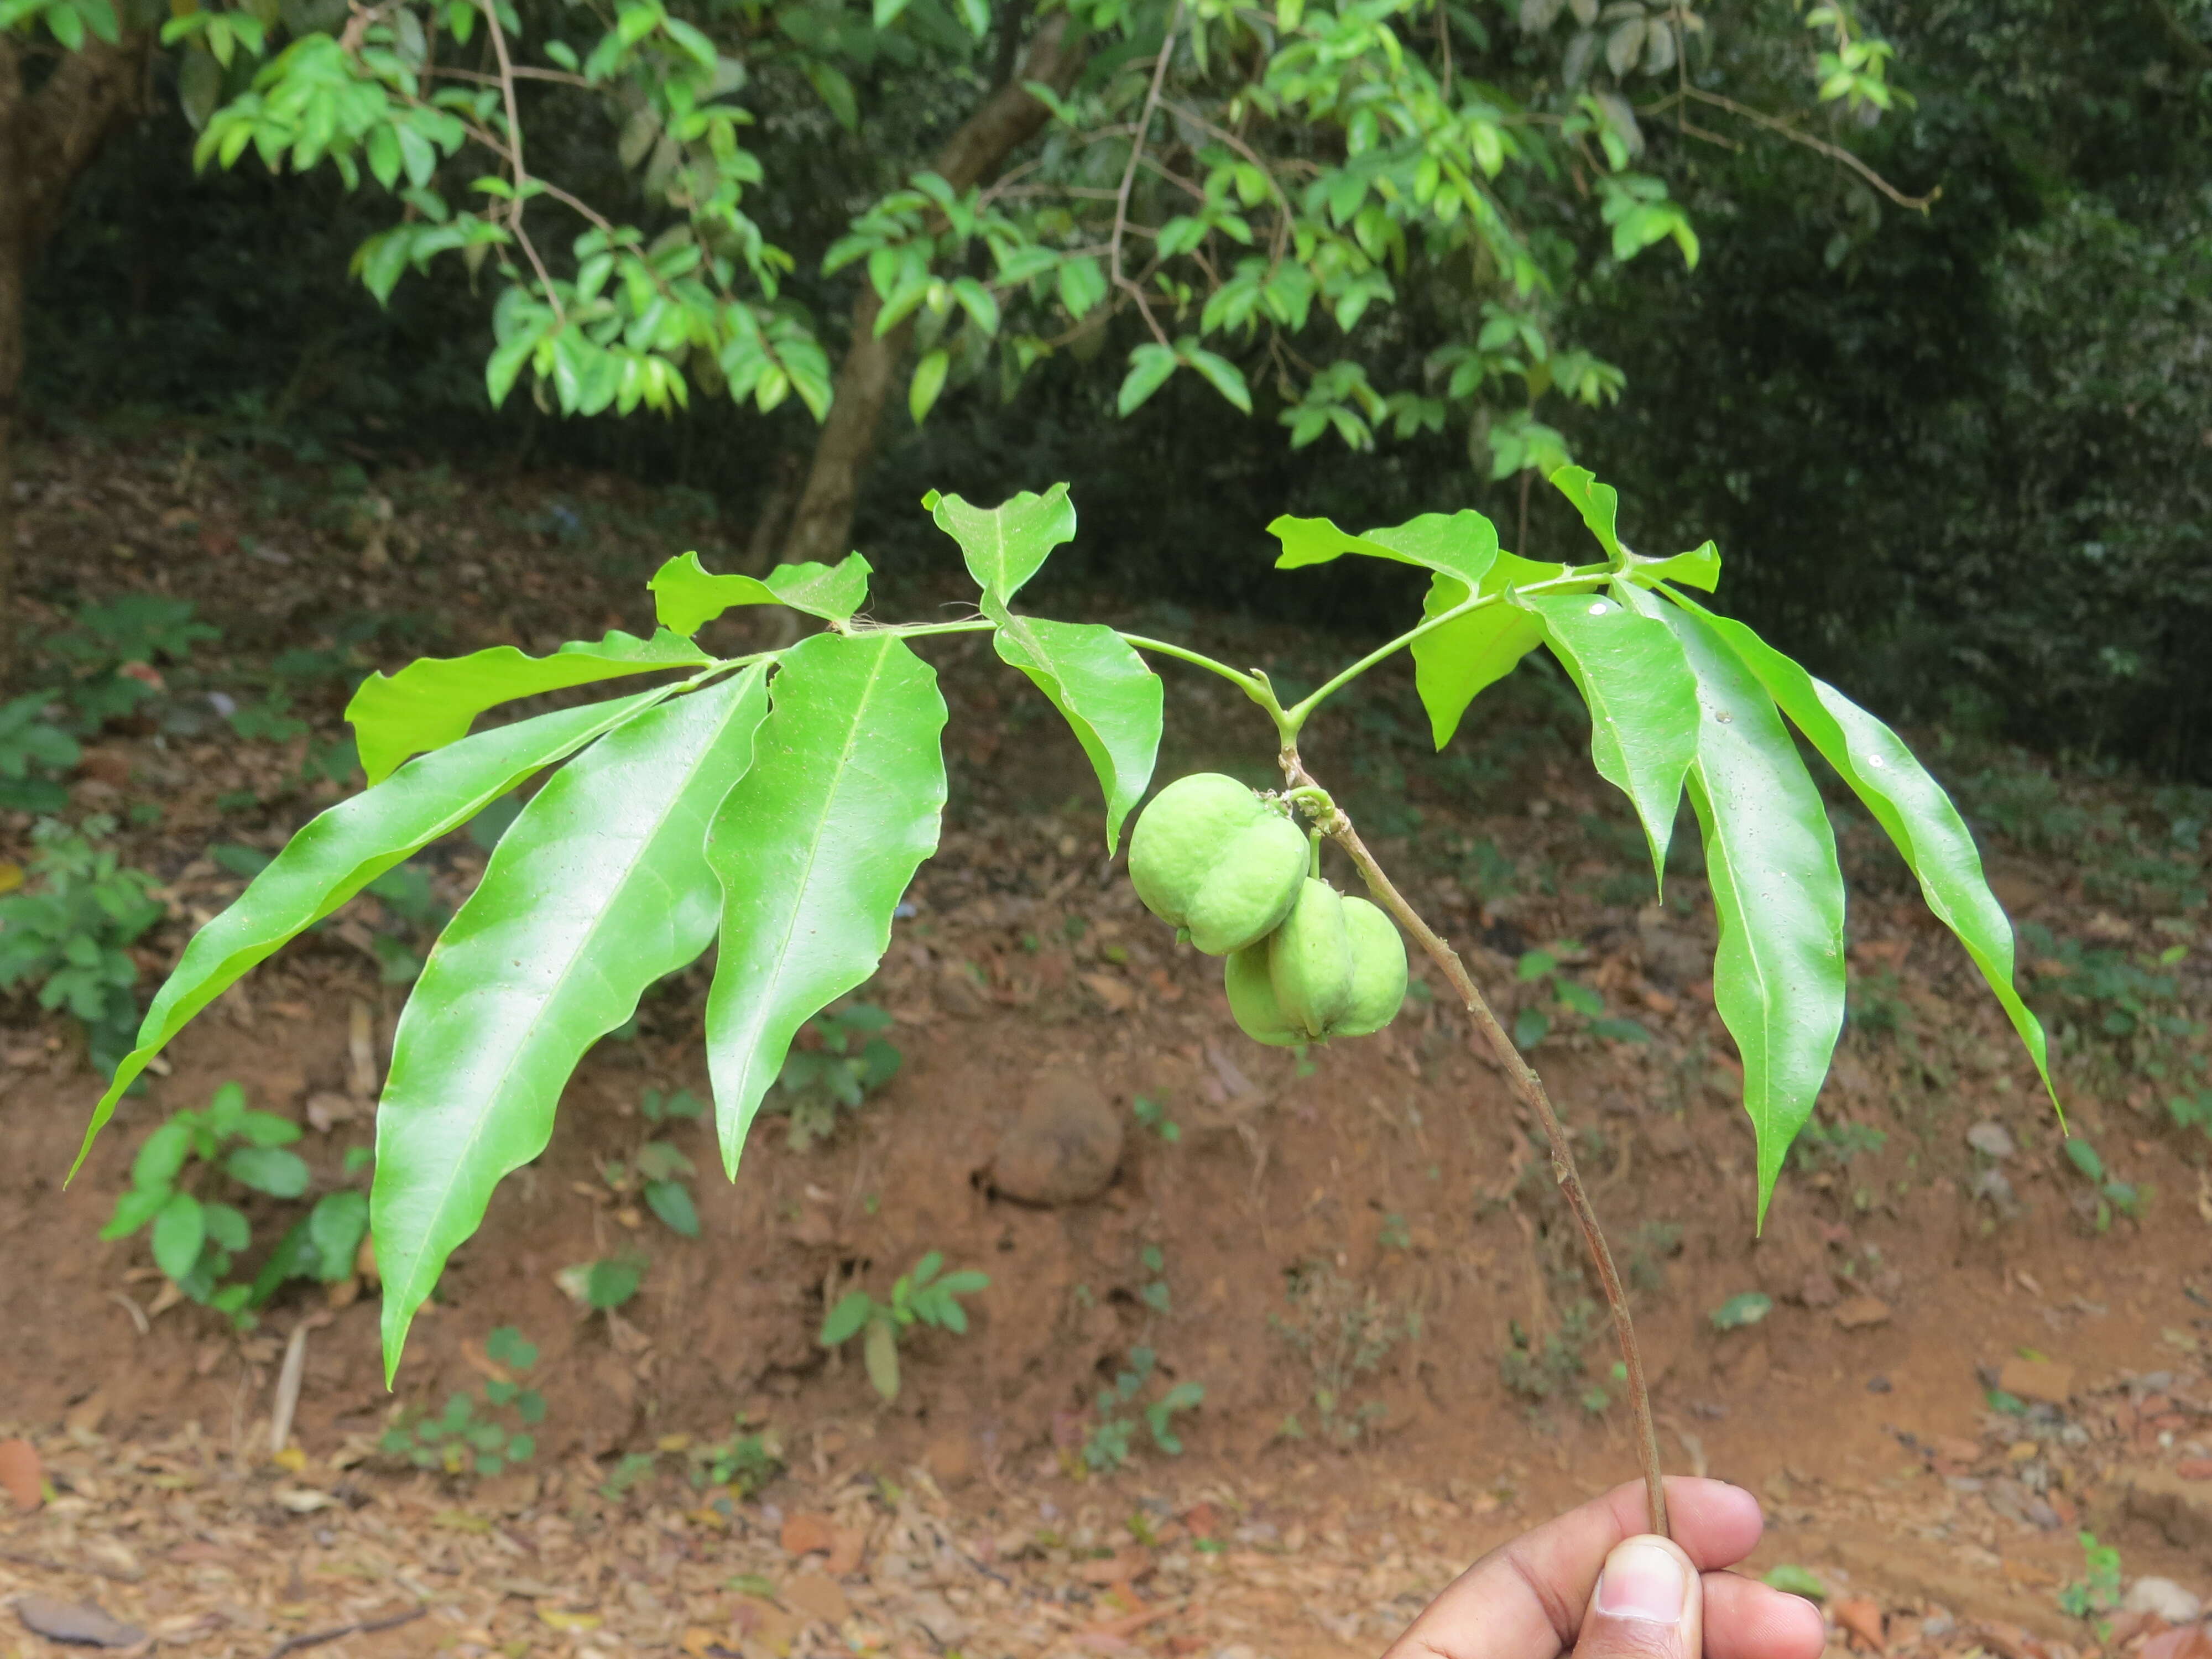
(1129, 175)
(1531, 1088)
(1833, 152)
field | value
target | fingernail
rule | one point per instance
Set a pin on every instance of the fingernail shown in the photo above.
(1643, 1580)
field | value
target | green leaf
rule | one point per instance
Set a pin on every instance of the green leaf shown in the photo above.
(508, 1346)
(1149, 368)
(879, 1350)
(1599, 504)
(1911, 807)
(1642, 703)
(134, 1209)
(336, 1226)
(342, 850)
(610, 1284)
(814, 848)
(1005, 545)
(1699, 567)
(1794, 1580)
(1223, 376)
(686, 597)
(429, 703)
(1745, 1307)
(293, 1257)
(845, 1319)
(161, 1155)
(2079, 1152)
(226, 1227)
(270, 1169)
(1456, 663)
(1462, 545)
(928, 381)
(179, 1231)
(1110, 700)
(1770, 861)
(600, 887)
(672, 1201)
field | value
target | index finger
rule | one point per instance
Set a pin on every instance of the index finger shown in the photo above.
(1528, 1596)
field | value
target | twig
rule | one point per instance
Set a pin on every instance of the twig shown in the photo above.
(1129, 174)
(44, 1565)
(1444, 45)
(514, 156)
(1833, 152)
(315, 1638)
(1531, 1088)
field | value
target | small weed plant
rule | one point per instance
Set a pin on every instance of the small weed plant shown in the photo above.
(1343, 1332)
(196, 1236)
(2097, 1591)
(658, 1171)
(35, 754)
(66, 935)
(917, 1297)
(2106, 1195)
(849, 1061)
(1560, 1001)
(482, 1433)
(1121, 1410)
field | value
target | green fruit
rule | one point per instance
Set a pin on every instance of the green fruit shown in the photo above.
(1335, 968)
(1210, 856)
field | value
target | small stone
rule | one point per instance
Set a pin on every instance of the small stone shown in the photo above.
(2165, 1598)
(818, 1597)
(1064, 1146)
(1992, 1184)
(951, 1459)
(1819, 1290)
(1861, 1313)
(2047, 1380)
(1991, 1139)
(80, 1623)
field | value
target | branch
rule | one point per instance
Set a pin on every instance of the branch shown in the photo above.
(1531, 1088)
(1129, 174)
(1833, 152)
(514, 156)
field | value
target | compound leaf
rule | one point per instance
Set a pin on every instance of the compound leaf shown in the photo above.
(1461, 545)
(1005, 545)
(1454, 663)
(814, 848)
(686, 596)
(1642, 702)
(1111, 700)
(342, 850)
(1777, 891)
(599, 889)
(1912, 807)
(430, 703)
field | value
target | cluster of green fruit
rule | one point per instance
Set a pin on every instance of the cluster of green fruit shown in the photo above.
(1231, 870)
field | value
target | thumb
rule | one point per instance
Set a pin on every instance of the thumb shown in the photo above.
(1649, 1605)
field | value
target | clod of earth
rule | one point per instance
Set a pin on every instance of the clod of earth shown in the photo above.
(1063, 1147)
(1335, 968)
(1211, 856)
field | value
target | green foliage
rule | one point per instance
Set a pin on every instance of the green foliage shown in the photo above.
(1823, 1146)
(1563, 1002)
(66, 936)
(657, 1170)
(196, 1237)
(1537, 1371)
(106, 663)
(845, 1059)
(1744, 1308)
(776, 806)
(1343, 1333)
(2109, 1195)
(33, 749)
(2122, 1006)
(1152, 1114)
(2098, 1590)
(917, 1297)
(480, 1434)
(1111, 1439)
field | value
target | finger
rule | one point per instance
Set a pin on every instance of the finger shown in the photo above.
(1525, 1601)
(1649, 1604)
(1747, 1619)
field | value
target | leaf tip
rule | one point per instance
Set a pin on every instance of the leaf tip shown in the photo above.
(930, 500)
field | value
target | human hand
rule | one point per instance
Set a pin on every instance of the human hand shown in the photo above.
(1532, 1598)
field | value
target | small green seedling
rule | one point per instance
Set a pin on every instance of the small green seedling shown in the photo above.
(1109, 1445)
(918, 1297)
(605, 1285)
(658, 1170)
(1151, 1114)
(851, 1062)
(2098, 1590)
(1561, 999)
(1744, 1308)
(196, 1237)
(2112, 1195)
(473, 1437)
(35, 755)
(67, 933)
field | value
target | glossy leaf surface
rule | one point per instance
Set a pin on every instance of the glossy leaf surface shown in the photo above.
(1111, 701)
(1912, 808)
(1005, 545)
(1642, 702)
(814, 848)
(599, 889)
(342, 850)
(1454, 663)
(686, 596)
(430, 703)
(1598, 503)
(1461, 544)
(1778, 890)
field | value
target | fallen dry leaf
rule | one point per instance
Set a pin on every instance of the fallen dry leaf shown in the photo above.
(808, 1535)
(2191, 1643)
(79, 1622)
(1861, 1618)
(22, 1477)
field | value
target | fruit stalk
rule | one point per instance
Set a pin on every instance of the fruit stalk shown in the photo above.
(1331, 821)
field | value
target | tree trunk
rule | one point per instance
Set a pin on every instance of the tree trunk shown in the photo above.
(46, 139)
(1006, 120)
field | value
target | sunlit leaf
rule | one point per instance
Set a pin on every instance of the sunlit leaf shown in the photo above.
(814, 849)
(1110, 699)
(1006, 544)
(599, 889)
(1452, 664)
(1462, 545)
(686, 596)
